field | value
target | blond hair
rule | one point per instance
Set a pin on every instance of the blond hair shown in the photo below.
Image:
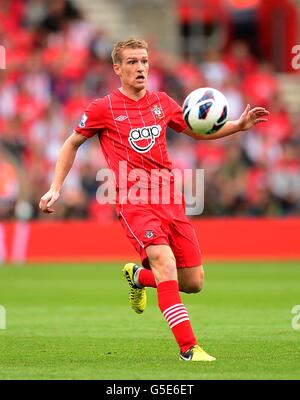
(130, 44)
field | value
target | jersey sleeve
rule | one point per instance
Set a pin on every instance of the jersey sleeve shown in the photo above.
(92, 121)
(176, 117)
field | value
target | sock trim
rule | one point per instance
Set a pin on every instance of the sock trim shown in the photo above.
(179, 314)
(179, 322)
(135, 278)
(168, 310)
(176, 314)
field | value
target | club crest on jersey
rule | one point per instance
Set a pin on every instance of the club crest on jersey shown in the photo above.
(143, 139)
(157, 112)
(83, 121)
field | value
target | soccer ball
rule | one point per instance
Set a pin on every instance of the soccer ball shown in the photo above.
(205, 110)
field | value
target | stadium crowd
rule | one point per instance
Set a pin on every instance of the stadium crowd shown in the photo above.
(57, 62)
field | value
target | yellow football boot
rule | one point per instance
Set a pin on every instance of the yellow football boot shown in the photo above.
(196, 353)
(137, 296)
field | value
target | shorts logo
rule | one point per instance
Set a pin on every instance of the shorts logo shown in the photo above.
(149, 234)
(143, 139)
(158, 112)
(83, 121)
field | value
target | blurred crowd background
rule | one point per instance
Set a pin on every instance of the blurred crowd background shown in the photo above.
(58, 60)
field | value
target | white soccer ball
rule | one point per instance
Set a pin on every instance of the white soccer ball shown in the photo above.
(205, 110)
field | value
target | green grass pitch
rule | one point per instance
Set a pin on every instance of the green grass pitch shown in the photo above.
(74, 322)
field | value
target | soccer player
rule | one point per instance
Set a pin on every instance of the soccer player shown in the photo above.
(131, 126)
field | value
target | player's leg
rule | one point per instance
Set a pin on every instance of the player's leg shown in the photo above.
(185, 246)
(142, 228)
(163, 264)
(190, 280)
(151, 240)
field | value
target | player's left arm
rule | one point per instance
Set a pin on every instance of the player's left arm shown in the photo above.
(246, 121)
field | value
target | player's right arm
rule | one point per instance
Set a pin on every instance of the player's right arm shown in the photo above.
(63, 166)
(90, 125)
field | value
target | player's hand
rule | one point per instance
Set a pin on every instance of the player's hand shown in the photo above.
(252, 117)
(48, 200)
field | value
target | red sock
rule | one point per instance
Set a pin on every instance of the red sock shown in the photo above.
(174, 311)
(146, 278)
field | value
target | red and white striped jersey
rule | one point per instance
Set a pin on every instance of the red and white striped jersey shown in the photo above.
(133, 131)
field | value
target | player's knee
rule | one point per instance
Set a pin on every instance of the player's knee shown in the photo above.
(162, 263)
(195, 285)
(161, 255)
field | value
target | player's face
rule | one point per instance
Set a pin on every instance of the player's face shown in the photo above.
(134, 68)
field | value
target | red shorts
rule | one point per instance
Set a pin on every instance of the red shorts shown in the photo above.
(146, 225)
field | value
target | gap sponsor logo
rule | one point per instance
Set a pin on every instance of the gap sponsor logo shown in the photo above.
(143, 139)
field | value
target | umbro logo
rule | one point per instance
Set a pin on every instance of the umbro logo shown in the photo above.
(121, 118)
